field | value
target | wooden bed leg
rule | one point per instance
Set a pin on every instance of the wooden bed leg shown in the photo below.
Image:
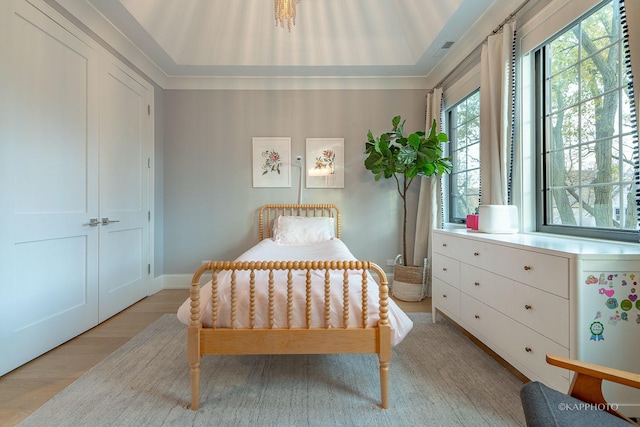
(193, 356)
(384, 384)
(195, 386)
(385, 360)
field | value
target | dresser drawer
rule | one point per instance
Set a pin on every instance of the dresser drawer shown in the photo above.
(446, 269)
(530, 349)
(447, 244)
(518, 344)
(478, 253)
(546, 313)
(547, 272)
(446, 298)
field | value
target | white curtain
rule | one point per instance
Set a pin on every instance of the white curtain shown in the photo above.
(429, 215)
(495, 116)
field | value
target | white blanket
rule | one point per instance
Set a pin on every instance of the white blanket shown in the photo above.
(268, 250)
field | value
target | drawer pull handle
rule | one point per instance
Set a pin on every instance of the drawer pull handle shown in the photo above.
(528, 307)
(528, 349)
(444, 295)
(444, 245)
(476, 254)
(476, 316)
(476, 283)
(527, 267)
(444, 268)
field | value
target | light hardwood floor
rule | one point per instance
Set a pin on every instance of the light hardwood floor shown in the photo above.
(28, 387)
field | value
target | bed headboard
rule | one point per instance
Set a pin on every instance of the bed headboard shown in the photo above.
(270, 212)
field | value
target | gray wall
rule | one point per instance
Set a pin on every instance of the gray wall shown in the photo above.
(210, 206)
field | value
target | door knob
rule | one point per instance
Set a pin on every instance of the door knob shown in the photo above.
(107, 221)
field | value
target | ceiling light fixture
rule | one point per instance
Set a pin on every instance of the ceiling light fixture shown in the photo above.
(285, 11)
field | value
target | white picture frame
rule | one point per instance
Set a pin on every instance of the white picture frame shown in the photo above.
(271, 161)
(325, 163)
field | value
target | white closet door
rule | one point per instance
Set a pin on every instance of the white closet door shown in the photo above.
(48, 185)
(124, 190)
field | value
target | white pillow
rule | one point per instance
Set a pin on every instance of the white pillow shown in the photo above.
(299, 230)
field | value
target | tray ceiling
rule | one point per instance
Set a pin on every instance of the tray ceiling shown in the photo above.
(345, 39)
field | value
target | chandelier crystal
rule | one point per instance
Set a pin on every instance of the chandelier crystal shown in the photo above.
(285, 11)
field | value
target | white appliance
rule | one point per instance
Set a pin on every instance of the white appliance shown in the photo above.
(498, 219)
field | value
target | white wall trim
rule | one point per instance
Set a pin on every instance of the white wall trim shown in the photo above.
(156, 284)
(88, 15)
(176, 281)
(296, 83)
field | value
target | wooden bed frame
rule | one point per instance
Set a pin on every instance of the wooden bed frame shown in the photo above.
(310, 340)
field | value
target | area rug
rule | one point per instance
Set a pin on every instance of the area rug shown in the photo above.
(438, 378)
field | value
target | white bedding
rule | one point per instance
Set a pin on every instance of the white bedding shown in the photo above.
(268, 250)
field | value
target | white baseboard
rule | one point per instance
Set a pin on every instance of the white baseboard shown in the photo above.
(176, 281)
(156, 285)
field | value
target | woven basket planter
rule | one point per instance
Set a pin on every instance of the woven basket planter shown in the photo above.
(408, 282)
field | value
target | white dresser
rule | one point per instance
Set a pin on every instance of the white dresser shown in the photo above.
(526, 295)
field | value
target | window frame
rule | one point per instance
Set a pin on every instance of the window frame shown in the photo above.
(451, 125)
(541, 130)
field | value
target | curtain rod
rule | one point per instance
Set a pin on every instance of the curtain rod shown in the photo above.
(496, 30)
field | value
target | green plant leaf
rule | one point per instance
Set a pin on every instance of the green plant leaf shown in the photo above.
(370, 137)
(432, 130)
(407, 155)
(395, 122)
(414, 140)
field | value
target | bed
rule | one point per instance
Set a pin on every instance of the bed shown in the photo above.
(299, 290)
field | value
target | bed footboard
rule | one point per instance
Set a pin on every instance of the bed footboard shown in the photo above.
(291, 339)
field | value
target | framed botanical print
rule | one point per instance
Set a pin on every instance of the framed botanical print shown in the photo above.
(325, 162)
(272, 162)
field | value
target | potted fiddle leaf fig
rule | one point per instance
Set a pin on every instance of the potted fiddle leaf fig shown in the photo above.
(403, 158)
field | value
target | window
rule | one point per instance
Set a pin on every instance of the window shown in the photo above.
(464, 135)
(585, 130)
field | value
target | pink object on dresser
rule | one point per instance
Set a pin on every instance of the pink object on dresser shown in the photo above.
(472, 222)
